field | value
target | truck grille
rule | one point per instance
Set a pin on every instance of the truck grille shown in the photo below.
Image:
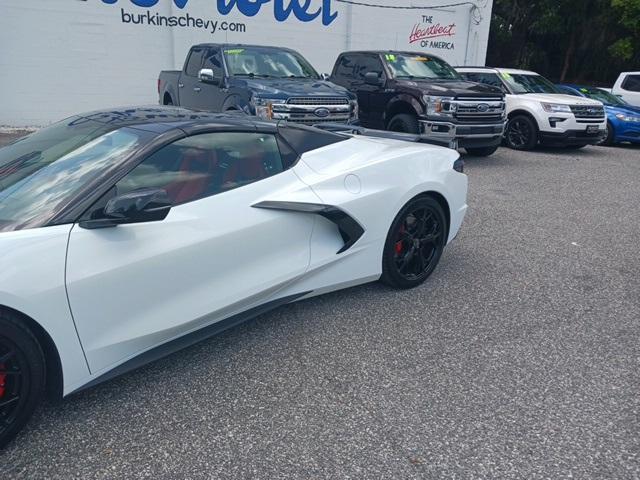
(592, 112)
(313, 110)
(479, 110)
(324, 101)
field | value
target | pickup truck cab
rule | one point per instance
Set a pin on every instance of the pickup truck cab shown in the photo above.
(540, 113)
(269, 82)
(422, 94)
(627, 87)
(623, 120)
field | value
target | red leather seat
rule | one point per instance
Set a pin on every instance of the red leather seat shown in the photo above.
(196, 171)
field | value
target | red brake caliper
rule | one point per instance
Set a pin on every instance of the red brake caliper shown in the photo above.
(3, 377)
(400, 245)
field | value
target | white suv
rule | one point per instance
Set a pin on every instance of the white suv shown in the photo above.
(627, 87)
(539, 113)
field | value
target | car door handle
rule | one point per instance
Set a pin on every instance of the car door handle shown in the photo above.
(181, 85)
(196, 89)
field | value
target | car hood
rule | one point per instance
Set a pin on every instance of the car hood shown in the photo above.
(292, 87)
(559, 98)
(450, 88)
(627, 110)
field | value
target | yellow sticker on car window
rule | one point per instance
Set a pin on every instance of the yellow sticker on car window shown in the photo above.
(584, 90)
(390, 57)
(505, 75)
(235, 51)
(421, 59)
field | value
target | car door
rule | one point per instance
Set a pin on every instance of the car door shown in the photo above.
(189, 86)
(211, 96)
(134, 287)
(373, 99)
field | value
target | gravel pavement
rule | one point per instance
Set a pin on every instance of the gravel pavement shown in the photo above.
(518, 359)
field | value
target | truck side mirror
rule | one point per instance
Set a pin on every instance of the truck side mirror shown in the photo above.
(205, 75)
(372, 78)
(325, 76)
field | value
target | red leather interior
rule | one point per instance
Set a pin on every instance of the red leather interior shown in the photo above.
(197, 167)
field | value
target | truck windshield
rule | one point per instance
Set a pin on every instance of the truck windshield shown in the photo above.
(267, 63)
(602, 96)
(41, 173)
(419, 66)
(525, 83)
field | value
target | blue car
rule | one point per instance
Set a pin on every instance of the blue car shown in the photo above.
(623, 123)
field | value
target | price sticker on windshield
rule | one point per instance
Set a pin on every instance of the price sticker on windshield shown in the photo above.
(390, 57)
(505, 75)
(236, 51)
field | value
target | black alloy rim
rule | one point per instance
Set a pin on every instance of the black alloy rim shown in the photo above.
(14, 382)
(519, 133)
(398, 126)
(417, 242)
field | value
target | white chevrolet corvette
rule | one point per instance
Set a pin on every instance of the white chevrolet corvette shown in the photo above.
(126, 235)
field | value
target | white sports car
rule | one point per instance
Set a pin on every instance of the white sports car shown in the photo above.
(126, 235)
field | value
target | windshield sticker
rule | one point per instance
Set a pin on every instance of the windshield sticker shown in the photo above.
(236, 51)
(505, 75)
(584, 90)
(390, 57)
(421, 59)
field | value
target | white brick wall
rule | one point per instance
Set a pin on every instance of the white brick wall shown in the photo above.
(60, 57)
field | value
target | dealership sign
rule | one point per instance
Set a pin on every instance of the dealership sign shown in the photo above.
(433, 35)
(282, 9)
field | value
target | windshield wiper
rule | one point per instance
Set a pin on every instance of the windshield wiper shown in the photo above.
(253, 75)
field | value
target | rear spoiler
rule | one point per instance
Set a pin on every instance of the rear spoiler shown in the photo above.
(368, 132)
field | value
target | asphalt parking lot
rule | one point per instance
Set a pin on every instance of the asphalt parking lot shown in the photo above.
(518, 359)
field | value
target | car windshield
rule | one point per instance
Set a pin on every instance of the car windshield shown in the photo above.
(419, 66)
(526, 83)
(267, 63)
(602, 96)
(40, 174)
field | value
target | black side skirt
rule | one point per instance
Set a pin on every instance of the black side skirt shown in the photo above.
(349, 228)
(189, 340)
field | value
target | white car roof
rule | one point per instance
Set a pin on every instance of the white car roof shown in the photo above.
(511, 71)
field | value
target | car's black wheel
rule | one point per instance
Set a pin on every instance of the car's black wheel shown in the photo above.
(481, 151)
(521, 133)
(609, 138)
(414, 244)
(405, 123)
(22, 375)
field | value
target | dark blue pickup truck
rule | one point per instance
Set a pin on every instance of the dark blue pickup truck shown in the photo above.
(269, 82)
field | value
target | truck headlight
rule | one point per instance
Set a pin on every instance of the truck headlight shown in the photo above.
(556, 108)
(440, 106)
(264, 106)
(354, 109)
(627, 118)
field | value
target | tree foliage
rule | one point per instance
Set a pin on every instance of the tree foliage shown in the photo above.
(585, 41)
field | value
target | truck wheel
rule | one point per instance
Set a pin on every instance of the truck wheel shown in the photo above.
(482, 151)
(22, 375)
(405, 123)
(522, 133)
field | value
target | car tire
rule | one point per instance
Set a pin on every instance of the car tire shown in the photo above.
(482, 151)
(609, 139)
(22, 375)
(521, 133)
(404, 123)
(420, 228)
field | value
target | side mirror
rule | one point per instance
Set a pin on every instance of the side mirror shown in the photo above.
(139, 206)
(325, 76)
(205, 75)
(372, 78)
